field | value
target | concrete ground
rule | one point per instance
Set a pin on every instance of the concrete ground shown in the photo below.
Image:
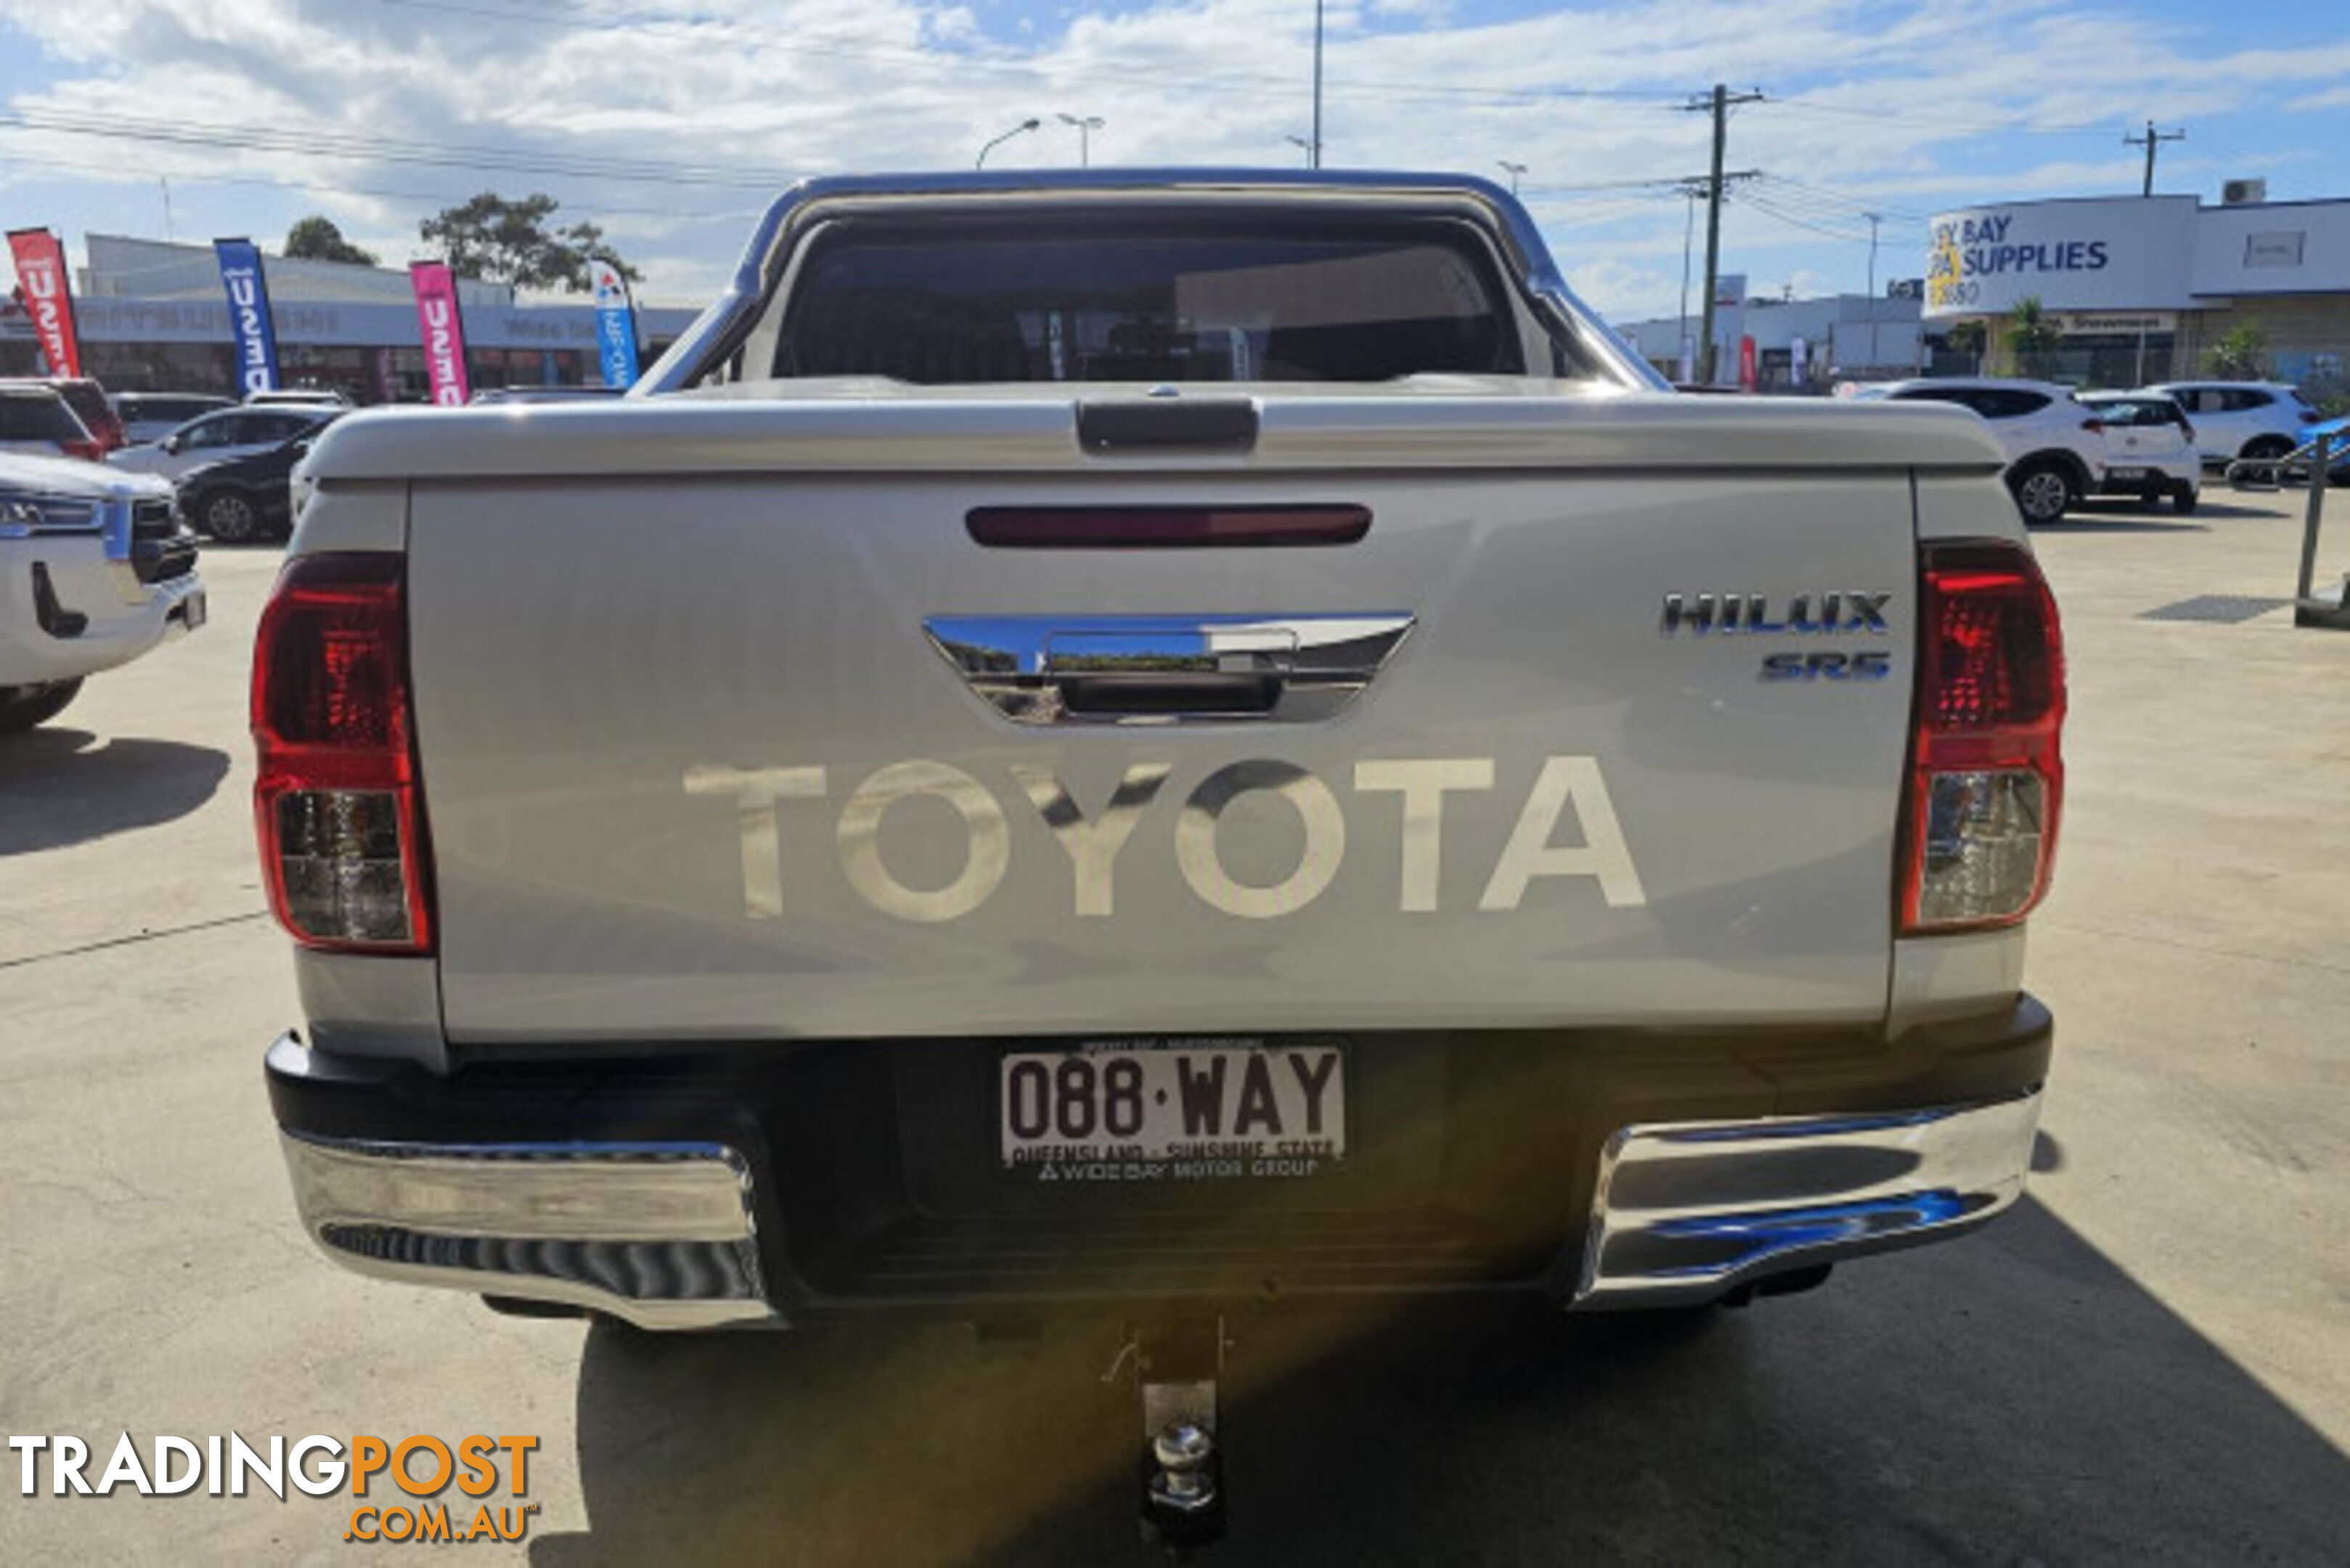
(2148, 1360)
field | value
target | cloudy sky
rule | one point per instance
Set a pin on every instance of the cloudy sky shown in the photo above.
(672, 121)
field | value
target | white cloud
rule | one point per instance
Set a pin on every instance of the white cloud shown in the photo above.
(719, 103)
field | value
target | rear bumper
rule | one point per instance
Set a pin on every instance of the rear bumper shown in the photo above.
(1686, 1210)
(748, 1189)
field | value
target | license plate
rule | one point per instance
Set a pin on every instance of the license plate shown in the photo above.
(1156, 1111)
(2124, 473)
(192, 610)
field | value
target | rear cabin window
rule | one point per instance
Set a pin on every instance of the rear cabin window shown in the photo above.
(946, 307)
(39, 419)
(2144, 414)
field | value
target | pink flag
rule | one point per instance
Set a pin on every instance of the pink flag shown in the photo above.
(444, 331)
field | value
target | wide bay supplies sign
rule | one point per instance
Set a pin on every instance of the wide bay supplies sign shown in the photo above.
(2123, 254)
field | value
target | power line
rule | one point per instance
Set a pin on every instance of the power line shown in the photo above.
(1904, 117)
(442, 198)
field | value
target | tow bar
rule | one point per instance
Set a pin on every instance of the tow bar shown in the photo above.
(1175, 1366)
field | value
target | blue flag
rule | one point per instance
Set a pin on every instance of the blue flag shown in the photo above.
(248, 315)
(616, 325)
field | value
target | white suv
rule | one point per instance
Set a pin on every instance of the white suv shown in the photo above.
(2241, 418)
(2055, 447)
(2150, 447)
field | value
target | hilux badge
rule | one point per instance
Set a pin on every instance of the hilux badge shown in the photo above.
(1724, 615)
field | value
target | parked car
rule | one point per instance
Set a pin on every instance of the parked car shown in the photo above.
(87, 400)
(2055, 448)
(2241, 418)
(230, 433)
(95, 570)
(36, 422)
(544, 394)
(297, 397)
(151, 416)
(2150, 447)
(244, 499)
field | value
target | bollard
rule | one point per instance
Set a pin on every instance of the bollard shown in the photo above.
(2308, 609)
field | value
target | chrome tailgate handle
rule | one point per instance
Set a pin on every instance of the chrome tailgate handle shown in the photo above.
(1169, 670)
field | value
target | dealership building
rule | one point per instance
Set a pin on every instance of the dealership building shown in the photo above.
(2140, 287)
(1799, 345)
(153, 317)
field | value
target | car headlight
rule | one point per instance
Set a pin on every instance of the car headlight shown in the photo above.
(24, 513)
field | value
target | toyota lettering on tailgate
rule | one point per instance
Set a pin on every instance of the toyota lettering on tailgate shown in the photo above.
(1568, 790)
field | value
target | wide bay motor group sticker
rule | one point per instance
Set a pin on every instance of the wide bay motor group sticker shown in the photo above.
(419, 1468)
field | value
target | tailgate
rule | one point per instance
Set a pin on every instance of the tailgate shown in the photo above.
(769, 748)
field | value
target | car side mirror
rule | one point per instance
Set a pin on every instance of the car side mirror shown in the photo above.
(172, 444)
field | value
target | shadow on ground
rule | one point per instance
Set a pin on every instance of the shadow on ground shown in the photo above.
(63, 786)
(2114, 522)
(2011, 1397)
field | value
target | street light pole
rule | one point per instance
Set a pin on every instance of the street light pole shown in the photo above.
(1085, 126)
(1515, 170)
(1874, 219)
(1021, 128)
(1684, 350)
(1314, 152)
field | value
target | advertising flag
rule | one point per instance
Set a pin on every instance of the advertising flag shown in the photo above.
(248, 315)
(49, 296)
(444, 329)
(616, 324)
(1746, 363)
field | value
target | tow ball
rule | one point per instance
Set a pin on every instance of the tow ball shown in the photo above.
(1175, 1366)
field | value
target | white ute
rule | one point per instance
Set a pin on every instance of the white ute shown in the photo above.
(95, 571)
(1151, 744)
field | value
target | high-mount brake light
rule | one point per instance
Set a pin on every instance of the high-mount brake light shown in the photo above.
(1987, 769)
(339, 803)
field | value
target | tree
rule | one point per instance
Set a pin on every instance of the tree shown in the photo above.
(1967, 337)
(500, 240)
(2241, 353)
(316, 238)
(2032, 339)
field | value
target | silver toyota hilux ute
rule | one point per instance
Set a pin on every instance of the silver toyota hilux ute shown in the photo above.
(1142, 742)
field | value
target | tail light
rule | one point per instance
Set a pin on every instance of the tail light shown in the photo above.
(1987, 773)
(2094, 425)
(339, 803)
(87, 448)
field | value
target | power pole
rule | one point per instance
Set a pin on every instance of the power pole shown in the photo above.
(2152, 140)
(1720, 102)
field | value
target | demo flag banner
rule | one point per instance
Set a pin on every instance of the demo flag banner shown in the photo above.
(616, 324)
(444, 329)
(49, 296)
(248, 315)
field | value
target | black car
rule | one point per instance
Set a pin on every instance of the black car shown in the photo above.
(241, 500)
